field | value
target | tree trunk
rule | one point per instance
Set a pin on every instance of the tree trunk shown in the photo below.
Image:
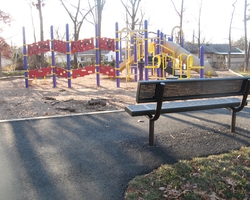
(41, 30)
(76, 37)
(34, 35)
(229, 52)
(181, 19)
(99, 21)
(199, 30)
(230, 40)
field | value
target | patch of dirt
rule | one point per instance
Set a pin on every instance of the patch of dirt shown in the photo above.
(42, 99)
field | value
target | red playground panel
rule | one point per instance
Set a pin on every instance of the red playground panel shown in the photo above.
(107, 44)
(59, 46)
(39, 47)
(106, 70)
(82, 45)
(81, 72)
(36, 73)
(61, 72)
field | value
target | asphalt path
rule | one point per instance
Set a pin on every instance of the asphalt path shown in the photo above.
(94, 156)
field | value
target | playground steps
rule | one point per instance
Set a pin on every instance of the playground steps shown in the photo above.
(169, 70)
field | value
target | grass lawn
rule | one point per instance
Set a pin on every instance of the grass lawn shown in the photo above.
(247, 73)
(13, 73)
(225, 176)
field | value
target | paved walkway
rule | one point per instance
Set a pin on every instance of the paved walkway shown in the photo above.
(94, 156)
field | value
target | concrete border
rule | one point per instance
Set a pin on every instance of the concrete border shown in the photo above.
(60, 116)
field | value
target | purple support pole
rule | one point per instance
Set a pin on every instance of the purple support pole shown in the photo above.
(170, 63)
(25, 65)
(68, 55)
(117, 71)
(97, 60)
(182, 41)
(162, 40)
(159, 70)
(131, 52)
(140, 66)
(158, 49)
(202, 62)
(53, 56)
(146, 48)
(135, 58)
(158, 42)
(131, 42)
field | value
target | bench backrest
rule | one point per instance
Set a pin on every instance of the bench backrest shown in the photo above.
(192, 88)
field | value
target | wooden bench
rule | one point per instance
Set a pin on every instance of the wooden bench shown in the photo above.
(171, 96)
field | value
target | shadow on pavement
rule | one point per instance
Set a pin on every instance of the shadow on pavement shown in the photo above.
(95, 156)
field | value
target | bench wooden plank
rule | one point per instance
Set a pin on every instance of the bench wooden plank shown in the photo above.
(190, 89)
(182, 106)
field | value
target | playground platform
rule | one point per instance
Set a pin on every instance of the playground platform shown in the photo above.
(94, 156)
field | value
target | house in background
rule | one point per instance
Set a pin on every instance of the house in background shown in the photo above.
(6, 62)
(85, 58)
(217, 55)
(109, 56)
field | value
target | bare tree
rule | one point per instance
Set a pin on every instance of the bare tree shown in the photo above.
(229, 38)
(34, 57)
(97, 17)
(5, 18)
(77, 18)
(58, 34)
(199, 28)
(180, 14)
(132, 7)
(99, 7)
(240, 43)
(38, 4)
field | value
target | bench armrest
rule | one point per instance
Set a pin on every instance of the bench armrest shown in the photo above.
(244, 98)
(159, 96)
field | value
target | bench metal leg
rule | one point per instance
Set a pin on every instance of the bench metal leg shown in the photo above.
(233, 121)
(151, 132)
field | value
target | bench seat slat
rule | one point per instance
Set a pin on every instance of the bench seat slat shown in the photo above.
(182, 106)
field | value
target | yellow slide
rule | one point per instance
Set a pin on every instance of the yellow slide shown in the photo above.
(177, 49)
(122, 65)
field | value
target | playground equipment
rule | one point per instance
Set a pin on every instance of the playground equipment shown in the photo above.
(158, 55)
(67, 48)
(178, 51)
(142, 53)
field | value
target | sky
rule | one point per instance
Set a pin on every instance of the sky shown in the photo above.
(215, 19)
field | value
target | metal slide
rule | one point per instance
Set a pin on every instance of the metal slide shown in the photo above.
(177, 49)
(122, 65)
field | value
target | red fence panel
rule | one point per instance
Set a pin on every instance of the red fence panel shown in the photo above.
(39, 47)
(43, 47)
(60, 46)
(36, 73)
(82, 45)
(81, 72)
(61, 72)
(32, 49)
(107, 44)
(106, 70)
